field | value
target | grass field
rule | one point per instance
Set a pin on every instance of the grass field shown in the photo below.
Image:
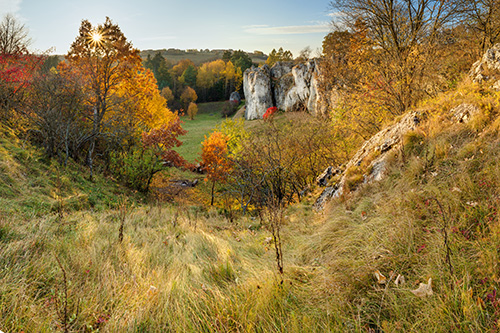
(208, 117)
(187, 267)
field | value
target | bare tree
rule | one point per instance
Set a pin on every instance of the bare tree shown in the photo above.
(14, 37)
(483, 17)
(55, 109)
(403, 34)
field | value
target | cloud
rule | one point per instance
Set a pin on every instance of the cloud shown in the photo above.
(9, 6)
(288, 30)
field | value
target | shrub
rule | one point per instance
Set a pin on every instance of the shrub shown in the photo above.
(269, 112)
(136, 169)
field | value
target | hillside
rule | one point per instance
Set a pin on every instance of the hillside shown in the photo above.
(197, 56)
(183, 267)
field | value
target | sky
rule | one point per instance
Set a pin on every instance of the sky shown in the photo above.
(186, 24)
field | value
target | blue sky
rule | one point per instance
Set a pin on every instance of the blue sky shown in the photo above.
(186, 24)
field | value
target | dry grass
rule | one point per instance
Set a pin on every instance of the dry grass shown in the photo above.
(183, 268)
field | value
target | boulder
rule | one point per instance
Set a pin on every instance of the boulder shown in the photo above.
(235, 97)
(464, 112)
(257, 89)
(297, 97)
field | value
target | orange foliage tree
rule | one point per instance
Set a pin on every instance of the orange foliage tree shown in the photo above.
(163, 139)
(215, 159)
(188, 96)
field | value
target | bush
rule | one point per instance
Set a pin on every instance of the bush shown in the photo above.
(136, 169)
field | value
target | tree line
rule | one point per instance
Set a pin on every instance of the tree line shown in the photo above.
(211, 81)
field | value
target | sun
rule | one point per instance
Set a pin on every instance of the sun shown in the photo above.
(96, 37)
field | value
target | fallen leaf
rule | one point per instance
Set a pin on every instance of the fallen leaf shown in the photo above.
(381, 279)
(423, 289)
(400, 280)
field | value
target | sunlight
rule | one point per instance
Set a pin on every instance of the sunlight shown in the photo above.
(96, 37)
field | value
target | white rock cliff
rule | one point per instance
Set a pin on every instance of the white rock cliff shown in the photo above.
(257, 87)
(287, 86)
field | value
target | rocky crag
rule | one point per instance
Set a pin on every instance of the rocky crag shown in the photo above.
(488, 67)
(288, 86)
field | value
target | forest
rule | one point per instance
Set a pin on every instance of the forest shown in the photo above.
(134, 196)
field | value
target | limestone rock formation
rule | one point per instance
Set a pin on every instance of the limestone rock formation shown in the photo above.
(378, 145)
(292, 88)
(257, 88)
(483, 70)
(464, 112)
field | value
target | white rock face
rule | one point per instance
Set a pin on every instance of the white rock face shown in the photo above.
(292, 88)
(283, 81)
(382, 142)
(297, 97)
(489, 62)
(257, 88)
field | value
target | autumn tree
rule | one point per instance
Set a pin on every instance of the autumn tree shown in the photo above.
(14, 37)
(167, 94)
(304, 55)
(54, 111)
(188, 95)
(137, 168)
(214, 159)
(192, 110)
(404, 35)
(104, 58)
(17, 65)
(210, 75)
(483, 18)
(176, 73)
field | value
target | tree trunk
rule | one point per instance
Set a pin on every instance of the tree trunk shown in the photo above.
(213, 188)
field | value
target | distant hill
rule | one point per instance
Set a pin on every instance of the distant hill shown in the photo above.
(198, 56)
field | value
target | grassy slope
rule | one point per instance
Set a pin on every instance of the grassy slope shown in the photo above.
(182, 268)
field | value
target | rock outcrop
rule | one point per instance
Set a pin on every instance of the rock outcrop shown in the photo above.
(488, 68)
(379, 145)
(257, 87)
(464, 112)
(289, 86)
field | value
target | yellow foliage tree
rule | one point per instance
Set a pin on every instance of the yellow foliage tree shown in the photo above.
(188, 96)
(192, 110)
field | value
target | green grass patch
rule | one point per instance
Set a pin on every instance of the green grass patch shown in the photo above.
(208, 117)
